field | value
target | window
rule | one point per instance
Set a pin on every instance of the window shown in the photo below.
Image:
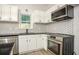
(25, 18)
(25, 21)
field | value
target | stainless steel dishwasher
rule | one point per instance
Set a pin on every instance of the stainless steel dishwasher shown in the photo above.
(10, 39)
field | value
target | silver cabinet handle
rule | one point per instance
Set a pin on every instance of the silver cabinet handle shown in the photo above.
(29, 40)
(26, 40)
(42, 38)
(10, 18)
(0, 17)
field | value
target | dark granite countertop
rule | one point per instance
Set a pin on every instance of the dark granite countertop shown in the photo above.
(52, 34)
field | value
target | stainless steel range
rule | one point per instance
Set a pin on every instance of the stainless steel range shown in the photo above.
(8, 44)
(61, 45)
(55, 45)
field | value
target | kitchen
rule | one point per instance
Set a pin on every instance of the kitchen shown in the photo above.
(39, 29)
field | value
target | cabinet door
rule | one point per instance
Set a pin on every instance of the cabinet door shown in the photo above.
(32, 43)
(45, 42)
(40, 42)
(23, 44)
(47, 17)
(5, 13)
(0, 12)
(42, 17)
(35, 16)
(14, 13)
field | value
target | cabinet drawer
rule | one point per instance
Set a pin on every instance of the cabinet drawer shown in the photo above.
(22, 37)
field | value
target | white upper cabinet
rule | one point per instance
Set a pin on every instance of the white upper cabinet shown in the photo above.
(14, 13)
(9, 13)
(47, 18)
(40, 17)
(44, 16)
(35, 16)
(5, 13)
(0, 12)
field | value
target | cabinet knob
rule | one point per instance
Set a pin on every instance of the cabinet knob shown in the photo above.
(0, 17)
(27, 40)
(9, 18)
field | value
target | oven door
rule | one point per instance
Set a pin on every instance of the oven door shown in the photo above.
(54, 47)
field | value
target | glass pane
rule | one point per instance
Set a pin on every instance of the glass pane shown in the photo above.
(25, 17)
(54, 47)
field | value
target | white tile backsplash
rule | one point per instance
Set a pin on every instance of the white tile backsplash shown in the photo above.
(8, 28)
(76, 29)
(65, 27)
(38, 28)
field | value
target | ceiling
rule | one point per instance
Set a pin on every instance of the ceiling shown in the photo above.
(42, 7)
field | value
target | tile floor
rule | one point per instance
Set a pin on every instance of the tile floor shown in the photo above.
(39, 52)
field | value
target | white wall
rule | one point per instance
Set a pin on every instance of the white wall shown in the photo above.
(65, 27)
(76, 29)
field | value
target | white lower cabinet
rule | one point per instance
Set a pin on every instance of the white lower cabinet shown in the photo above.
(31, 42)
(23, 44)
(40, 42)
(44, 39)
(45, 42)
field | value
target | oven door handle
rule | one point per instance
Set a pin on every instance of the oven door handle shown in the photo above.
(55, 42)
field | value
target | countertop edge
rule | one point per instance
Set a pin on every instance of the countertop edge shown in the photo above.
(57, 34)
